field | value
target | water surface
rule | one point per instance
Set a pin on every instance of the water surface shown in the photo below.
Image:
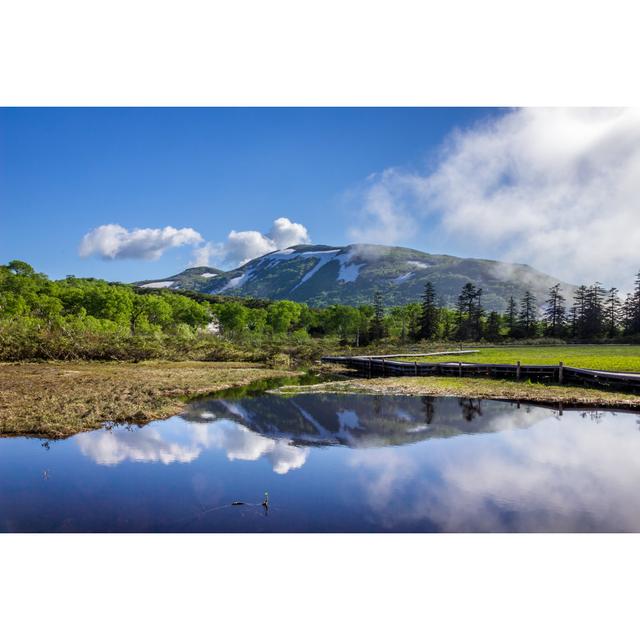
(333, 463)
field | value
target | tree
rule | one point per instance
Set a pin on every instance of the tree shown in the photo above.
(612, 312)
(378, 329)
(634, 311)
(492, 332)
(428, 314)
(282, 315)
(469, 313)
(232, 316)
(578, 312)
(20, 268)
(512, 317)
(363, 335)
(343, 321)
(593, 321)
(527, 316)
(477, 315)
(256, 320)
(555, 312)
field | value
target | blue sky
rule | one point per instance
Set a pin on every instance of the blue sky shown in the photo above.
(64, 172)
(158, 190)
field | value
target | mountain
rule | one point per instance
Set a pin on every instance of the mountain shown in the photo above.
(321, 275)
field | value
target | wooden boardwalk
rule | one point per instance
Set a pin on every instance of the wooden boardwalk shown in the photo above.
(372, 366)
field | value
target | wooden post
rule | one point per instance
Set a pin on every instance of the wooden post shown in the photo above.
(518, 370)
(415, 368)
(369, 366)
(459, 369)
(560, 376)
(384, 370)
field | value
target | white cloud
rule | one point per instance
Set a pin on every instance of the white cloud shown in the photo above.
(114, 242)
(242, 246)
(285, 233)
(386, 209)
(556, 188)
(206, 254)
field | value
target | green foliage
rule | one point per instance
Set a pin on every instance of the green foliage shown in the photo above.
(93, 319)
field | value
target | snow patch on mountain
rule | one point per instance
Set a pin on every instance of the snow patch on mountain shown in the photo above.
(403, 278)
(417, 265)
(349, 271)
(165, 284)
(323, 258)
(236, 282)
(271, 259)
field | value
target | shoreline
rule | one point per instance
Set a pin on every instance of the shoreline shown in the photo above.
(55, 400)
(478, 388)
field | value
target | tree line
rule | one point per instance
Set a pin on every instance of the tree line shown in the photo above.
(118, 318)
(594, 313)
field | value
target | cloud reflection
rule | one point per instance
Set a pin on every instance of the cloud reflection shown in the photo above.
(576, 474)
(143, 445)
(176, 441)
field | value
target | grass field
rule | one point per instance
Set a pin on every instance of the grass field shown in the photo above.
(483, 388)
(604, 357)
(55, 400)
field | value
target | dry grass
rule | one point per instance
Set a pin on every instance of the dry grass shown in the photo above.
(55, 400)
(485, 388)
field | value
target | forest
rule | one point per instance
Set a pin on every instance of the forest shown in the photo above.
(86, 318)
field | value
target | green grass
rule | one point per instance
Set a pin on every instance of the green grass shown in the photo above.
(604, 357)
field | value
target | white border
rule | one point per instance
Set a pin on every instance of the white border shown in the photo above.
(319, 586)
(334, 52)
(275, 52)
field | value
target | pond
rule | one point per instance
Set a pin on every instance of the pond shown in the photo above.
(332, 463)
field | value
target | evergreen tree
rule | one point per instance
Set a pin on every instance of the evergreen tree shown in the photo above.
(578, 312)
(527, 316)
(377, 323)
(593, 323)
(512, 317)
(429, 314)
(478, 315)
(627, 314)
(612, 312)
(493, 327)
(555, 313)
(465, 312)
(635, 307)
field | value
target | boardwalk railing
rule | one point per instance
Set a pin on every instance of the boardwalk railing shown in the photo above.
(379, 366)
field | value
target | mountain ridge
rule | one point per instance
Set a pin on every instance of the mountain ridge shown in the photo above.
(321, 275)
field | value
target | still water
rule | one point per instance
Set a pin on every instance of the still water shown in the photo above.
(333, 463)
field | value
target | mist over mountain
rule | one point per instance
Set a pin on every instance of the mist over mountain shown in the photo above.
(321, 275)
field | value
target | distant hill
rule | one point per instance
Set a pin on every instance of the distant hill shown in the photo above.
(321, 275)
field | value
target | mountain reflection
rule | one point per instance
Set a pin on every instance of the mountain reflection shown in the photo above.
(281, 429)
(359, 421)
